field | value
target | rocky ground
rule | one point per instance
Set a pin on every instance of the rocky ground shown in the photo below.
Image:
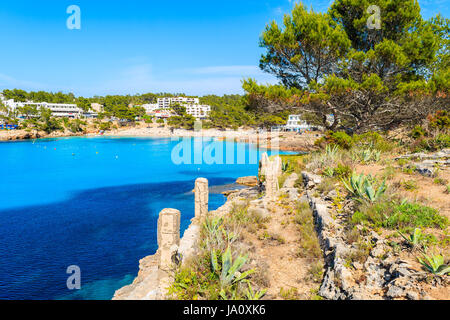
(385, 273)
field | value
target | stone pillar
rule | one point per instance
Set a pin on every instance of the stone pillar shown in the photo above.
(168, 237)
(264, 163)
(273, 171)
(201, 198)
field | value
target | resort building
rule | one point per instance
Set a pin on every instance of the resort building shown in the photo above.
(193, 106)
(198, 111)
(165, 103)
(57, 109)
(295, 123)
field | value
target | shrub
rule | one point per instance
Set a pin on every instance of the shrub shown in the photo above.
(309, 244)
(289, 294)
(342, 171)
(440, 181)
(75, 126)
(188, 285)
(326, 185)
(440, 120)
(104, 126)
(434, 135)
(339, 138)
(417, 132)
(395, 215)
(410, 185)
(374, 140)
(388, 173)
(316, 271)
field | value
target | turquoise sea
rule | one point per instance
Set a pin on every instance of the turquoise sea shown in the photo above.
(94, 203)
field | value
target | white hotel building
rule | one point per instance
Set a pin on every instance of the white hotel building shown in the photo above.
(198, 111)
(57, 109)
(193, 106)
(166, 102)
(295, 123)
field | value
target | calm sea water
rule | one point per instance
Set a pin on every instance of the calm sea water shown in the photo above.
(94, 203)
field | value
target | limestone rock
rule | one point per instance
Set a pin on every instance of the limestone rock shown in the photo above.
(250, 181)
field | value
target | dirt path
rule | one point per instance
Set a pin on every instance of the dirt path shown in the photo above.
(278, 247)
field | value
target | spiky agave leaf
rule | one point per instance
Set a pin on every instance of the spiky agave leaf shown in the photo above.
(442, 270)
(214, 262)
(368, 191)
(238, 263)
(244, 275)
(227, 260)
(381, 190)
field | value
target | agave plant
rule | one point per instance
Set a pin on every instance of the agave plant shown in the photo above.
(213, 227)
(229, 271)
(363, 187)
(331, 151)
(366, 155)
(414, 239)
(285, 166)
(376, 155)
(251, 295)
(329, 172)
(435, 264)
(223, 294)
(374, 194)
(212, 224)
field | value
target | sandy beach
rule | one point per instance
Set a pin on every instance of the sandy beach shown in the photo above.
(288, 141)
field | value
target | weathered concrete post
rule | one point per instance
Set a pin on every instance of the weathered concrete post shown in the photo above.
(264, 163)
(168, 237)
(273, 171)
(201, 198)
(168, 242)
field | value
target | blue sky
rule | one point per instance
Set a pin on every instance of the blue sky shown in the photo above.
(125, 47)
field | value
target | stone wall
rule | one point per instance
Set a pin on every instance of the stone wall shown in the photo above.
(384, 275)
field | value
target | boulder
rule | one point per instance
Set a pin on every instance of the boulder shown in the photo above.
(251, 181)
